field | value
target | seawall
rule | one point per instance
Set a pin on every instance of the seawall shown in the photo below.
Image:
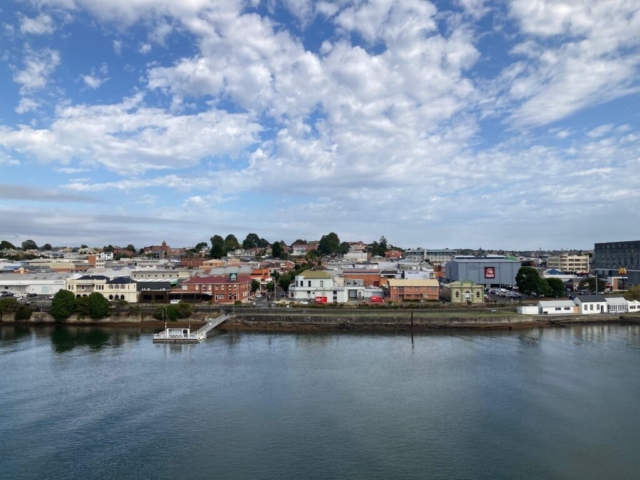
(340, 320)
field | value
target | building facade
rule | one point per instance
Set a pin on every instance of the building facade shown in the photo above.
(463, 292)
(443, 255)
(483, 270)
(610, 257)
(569, 263)
(591, 304)
(312, 284)
(401, 290)
(221, 289)
(121, 288)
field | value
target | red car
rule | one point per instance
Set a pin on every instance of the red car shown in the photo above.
(376, 300)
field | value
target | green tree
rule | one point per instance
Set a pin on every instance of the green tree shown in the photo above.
(252, 240)
(82, 307)
(633, 293)
(4, 245)
(270, 286)
(284, 282)
(231, 242)
(529, 281)
(344, 248)
(329, 244)
(255, 285)
(83, 246)
(63, 305)
(131, 248)
(23, 313)
(217, 252)
(556, 287)
(29, 245)
(263, 243)
(200, 246)
(98, 306)
(276, 250)
(108, 249)
(8, 305)
(590, 284)
(217, 247)
(47, 247)
(299, 241)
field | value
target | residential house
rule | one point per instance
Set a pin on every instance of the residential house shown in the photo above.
(617, 304)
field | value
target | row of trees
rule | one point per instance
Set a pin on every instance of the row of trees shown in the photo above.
(529, 281)
(220, 246)
(65, 304)
(11, 305)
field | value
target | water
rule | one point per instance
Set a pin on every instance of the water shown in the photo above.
(78, 403)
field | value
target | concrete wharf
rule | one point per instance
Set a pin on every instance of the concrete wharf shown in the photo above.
(185, 335)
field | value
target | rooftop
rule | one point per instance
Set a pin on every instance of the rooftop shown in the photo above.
(423, 282)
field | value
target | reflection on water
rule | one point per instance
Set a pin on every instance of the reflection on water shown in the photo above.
(88, 402)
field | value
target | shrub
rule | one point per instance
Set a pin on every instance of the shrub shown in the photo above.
(237, 302)
(135, 310)
(63, 305)
(23, 313)
(98, 306)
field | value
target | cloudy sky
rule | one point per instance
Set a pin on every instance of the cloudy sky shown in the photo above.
(506, 124)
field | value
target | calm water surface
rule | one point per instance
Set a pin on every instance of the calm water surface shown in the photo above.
(78, 403)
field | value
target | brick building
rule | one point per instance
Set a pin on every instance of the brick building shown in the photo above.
(222, 289)
(424, 289)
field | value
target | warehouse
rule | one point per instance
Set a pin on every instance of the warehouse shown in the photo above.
(494, 270)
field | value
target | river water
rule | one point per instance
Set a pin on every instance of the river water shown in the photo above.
(81, 403)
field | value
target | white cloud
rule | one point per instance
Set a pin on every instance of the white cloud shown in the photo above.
(38, 66)
(581, 53)
(40, 25)
(93, 82)
(132, 138)
(144, 48)
(600, 131)
(26, 105)
(117, 47)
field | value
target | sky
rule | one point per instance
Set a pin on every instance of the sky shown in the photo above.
(512, 124)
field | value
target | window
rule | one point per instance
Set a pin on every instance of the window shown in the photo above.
(309, 283)
(321, 283)
(477, 294)
(557, 308)
(457, 294)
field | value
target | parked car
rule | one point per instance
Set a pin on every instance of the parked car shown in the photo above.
(174, 302)
(258, 295)
(32, 295)
(304, 302)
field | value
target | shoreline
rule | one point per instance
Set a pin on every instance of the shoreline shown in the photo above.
(339, 322)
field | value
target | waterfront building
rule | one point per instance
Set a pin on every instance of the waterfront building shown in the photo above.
(591, 304)
(219, 289)
(463, 292)
(120, 288)
(557, 307)
(312, 284)
(611, 257)
(38, 283)
(617, 304)
(401, 290)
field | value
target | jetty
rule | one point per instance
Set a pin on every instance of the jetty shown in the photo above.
(185, 335)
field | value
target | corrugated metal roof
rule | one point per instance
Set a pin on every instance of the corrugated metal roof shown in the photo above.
(556, 303)
(400, 282)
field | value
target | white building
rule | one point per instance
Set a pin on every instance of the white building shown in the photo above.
(591, 304)
(121, 288)
(557, 307)
(311, 284)
(617, 304)
(440, 255)
(38, 283)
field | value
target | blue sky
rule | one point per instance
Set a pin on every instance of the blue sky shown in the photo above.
(510, 124)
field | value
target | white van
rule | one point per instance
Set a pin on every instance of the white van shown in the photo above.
(174, 302)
